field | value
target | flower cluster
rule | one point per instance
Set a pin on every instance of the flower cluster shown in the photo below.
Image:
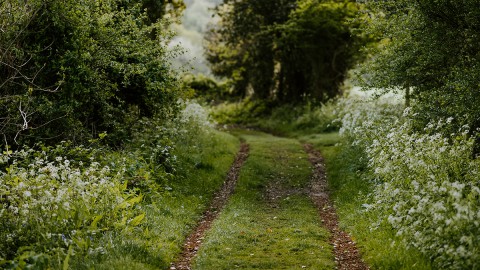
(54, 203)
(427, 184)
(194, 114)
(65, 200)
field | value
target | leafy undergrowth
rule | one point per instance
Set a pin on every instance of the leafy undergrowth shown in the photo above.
(349, 192)
(173, 214)
(76, 207)
(285, 120)
(269, 223)
(426, 179)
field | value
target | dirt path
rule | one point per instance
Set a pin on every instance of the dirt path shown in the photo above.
(194, 240)
(347, 256)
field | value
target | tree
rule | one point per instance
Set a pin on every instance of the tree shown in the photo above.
(430, 49)
(241, 46)
(317, 47)
(285, 50)
(74, 69)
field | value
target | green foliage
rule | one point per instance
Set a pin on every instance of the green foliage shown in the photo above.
(243, 112)
(350, 188)
(286, 119)
(72, 69)
(201, 158)
(56, 206)
(285, 50)
(306, 118)
(241, 47)
(425, 184)
(431, 48)
(89, 207)
(206, 88)
(316, 48)
(157, 9)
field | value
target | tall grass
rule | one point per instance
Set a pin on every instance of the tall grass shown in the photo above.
(423, 184)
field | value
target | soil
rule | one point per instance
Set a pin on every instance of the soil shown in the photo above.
(194, 240)
(347, 256)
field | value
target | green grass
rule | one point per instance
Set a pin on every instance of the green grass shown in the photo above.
(349, 192)
(320, 139)
(172, 214)
(256, 233)
(286, 120)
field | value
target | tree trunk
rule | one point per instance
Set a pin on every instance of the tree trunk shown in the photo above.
(407, 96)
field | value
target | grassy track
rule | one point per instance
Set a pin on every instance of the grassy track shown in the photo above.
(269, 223)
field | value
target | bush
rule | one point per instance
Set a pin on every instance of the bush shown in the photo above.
(68, 204)
(427, 185)
(317, 118)
(286, 119)
(206, 88)
(243, 112)
(77, 69)
(57, 207)
(428, 50)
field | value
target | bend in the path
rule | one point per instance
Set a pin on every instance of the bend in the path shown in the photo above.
(347, 256)
(194, 240)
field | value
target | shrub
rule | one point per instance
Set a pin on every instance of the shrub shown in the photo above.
(285, 119)
(243, 112)
(427, 185)
(75, 69)
(429, 51)
(73, 204)
(57, 207)
(317, 118)
(206, 88)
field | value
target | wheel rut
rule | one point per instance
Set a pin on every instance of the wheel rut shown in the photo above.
(194, 240)
(347, 256)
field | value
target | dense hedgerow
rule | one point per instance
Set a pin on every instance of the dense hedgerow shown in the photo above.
(58, 203)
(74, 69)
(427, 185)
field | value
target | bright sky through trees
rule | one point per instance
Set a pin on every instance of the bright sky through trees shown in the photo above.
(196, 18)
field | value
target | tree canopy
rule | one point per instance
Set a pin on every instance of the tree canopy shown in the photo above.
(285, 50)
(74, 69)
(429, 48)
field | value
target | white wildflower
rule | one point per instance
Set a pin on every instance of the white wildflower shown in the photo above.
(66, 205)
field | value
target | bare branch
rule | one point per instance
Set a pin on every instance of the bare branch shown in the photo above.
(6, 145)
(48, 122)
